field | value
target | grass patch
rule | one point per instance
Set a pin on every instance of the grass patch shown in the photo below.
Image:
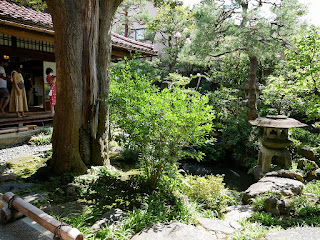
(313, 188)
(252, 231)
(43, 138)
(304, 211)
(24, 167)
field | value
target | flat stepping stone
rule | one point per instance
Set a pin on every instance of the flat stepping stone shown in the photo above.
(238, 212)
(14, 187)
(34, 197)
(174, 231)
(305, 233)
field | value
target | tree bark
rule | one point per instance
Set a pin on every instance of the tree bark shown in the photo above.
(83, 54)
(252, 94)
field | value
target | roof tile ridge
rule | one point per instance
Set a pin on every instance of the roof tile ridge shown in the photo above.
(132, 41)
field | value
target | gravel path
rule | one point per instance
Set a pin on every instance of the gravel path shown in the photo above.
(22, 151)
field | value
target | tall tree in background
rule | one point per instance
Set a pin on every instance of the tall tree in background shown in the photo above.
(129, 13)
(256, 28)
(173, 25)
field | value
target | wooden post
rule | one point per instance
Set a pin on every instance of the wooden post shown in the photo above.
(7, 215)
(43, 219)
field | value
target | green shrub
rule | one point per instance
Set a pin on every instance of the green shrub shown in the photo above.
(209, 191)
(158, 207)
(159, 124)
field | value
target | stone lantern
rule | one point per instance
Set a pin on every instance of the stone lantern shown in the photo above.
(275, 140)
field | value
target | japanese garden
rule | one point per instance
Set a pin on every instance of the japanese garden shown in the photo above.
(171, 121)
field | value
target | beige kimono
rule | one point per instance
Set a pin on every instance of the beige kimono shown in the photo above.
(18, 103)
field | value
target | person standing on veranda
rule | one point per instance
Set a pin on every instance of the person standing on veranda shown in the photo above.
(18, 100)
(4, 92)
(51, 79)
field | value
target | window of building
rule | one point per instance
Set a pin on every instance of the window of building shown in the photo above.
(140, 34)
(6, 40)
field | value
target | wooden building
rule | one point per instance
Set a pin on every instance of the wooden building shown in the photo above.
(27, 38)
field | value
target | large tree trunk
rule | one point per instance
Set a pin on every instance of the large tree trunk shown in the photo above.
(83, 53)
(252, 98)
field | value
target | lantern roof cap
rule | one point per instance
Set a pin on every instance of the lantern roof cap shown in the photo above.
(277, 121)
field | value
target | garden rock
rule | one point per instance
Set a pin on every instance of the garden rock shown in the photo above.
(165, 84)
(257, 172)
(109, 218)
(237, 212)
(305, 233)
(276, 206)
(303, 163)
(286, 174)
(7, 177)
(309, 154)
(14, 187)
(71, 190)
(174, 231)
(284, 186)
(311, 175)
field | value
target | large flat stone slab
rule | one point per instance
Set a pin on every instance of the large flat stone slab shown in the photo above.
(24, 229)
(306, 233)
(174, 231)
(284, 186)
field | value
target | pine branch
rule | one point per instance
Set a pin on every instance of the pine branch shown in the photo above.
(231, 51)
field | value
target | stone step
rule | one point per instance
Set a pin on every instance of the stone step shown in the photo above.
(24, 229)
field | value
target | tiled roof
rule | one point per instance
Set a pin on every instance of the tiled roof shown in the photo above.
(20, 13)
(24, 15)
(121, 41)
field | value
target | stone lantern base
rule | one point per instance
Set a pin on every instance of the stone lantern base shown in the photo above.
(267, 155)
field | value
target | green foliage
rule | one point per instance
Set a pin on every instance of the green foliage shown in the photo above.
(304, 210)
(303, 138)
(158, 207)
(36, 4)
(209, 191)
(227, 27)
(293, 90)
(313, 188)
(159, 124)
(236, 133)
(129, 13)
(287, 96)
(252, 231)
(258, 201)
(174, 25)
(147, 68)
(177, 79)
(304, 58)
